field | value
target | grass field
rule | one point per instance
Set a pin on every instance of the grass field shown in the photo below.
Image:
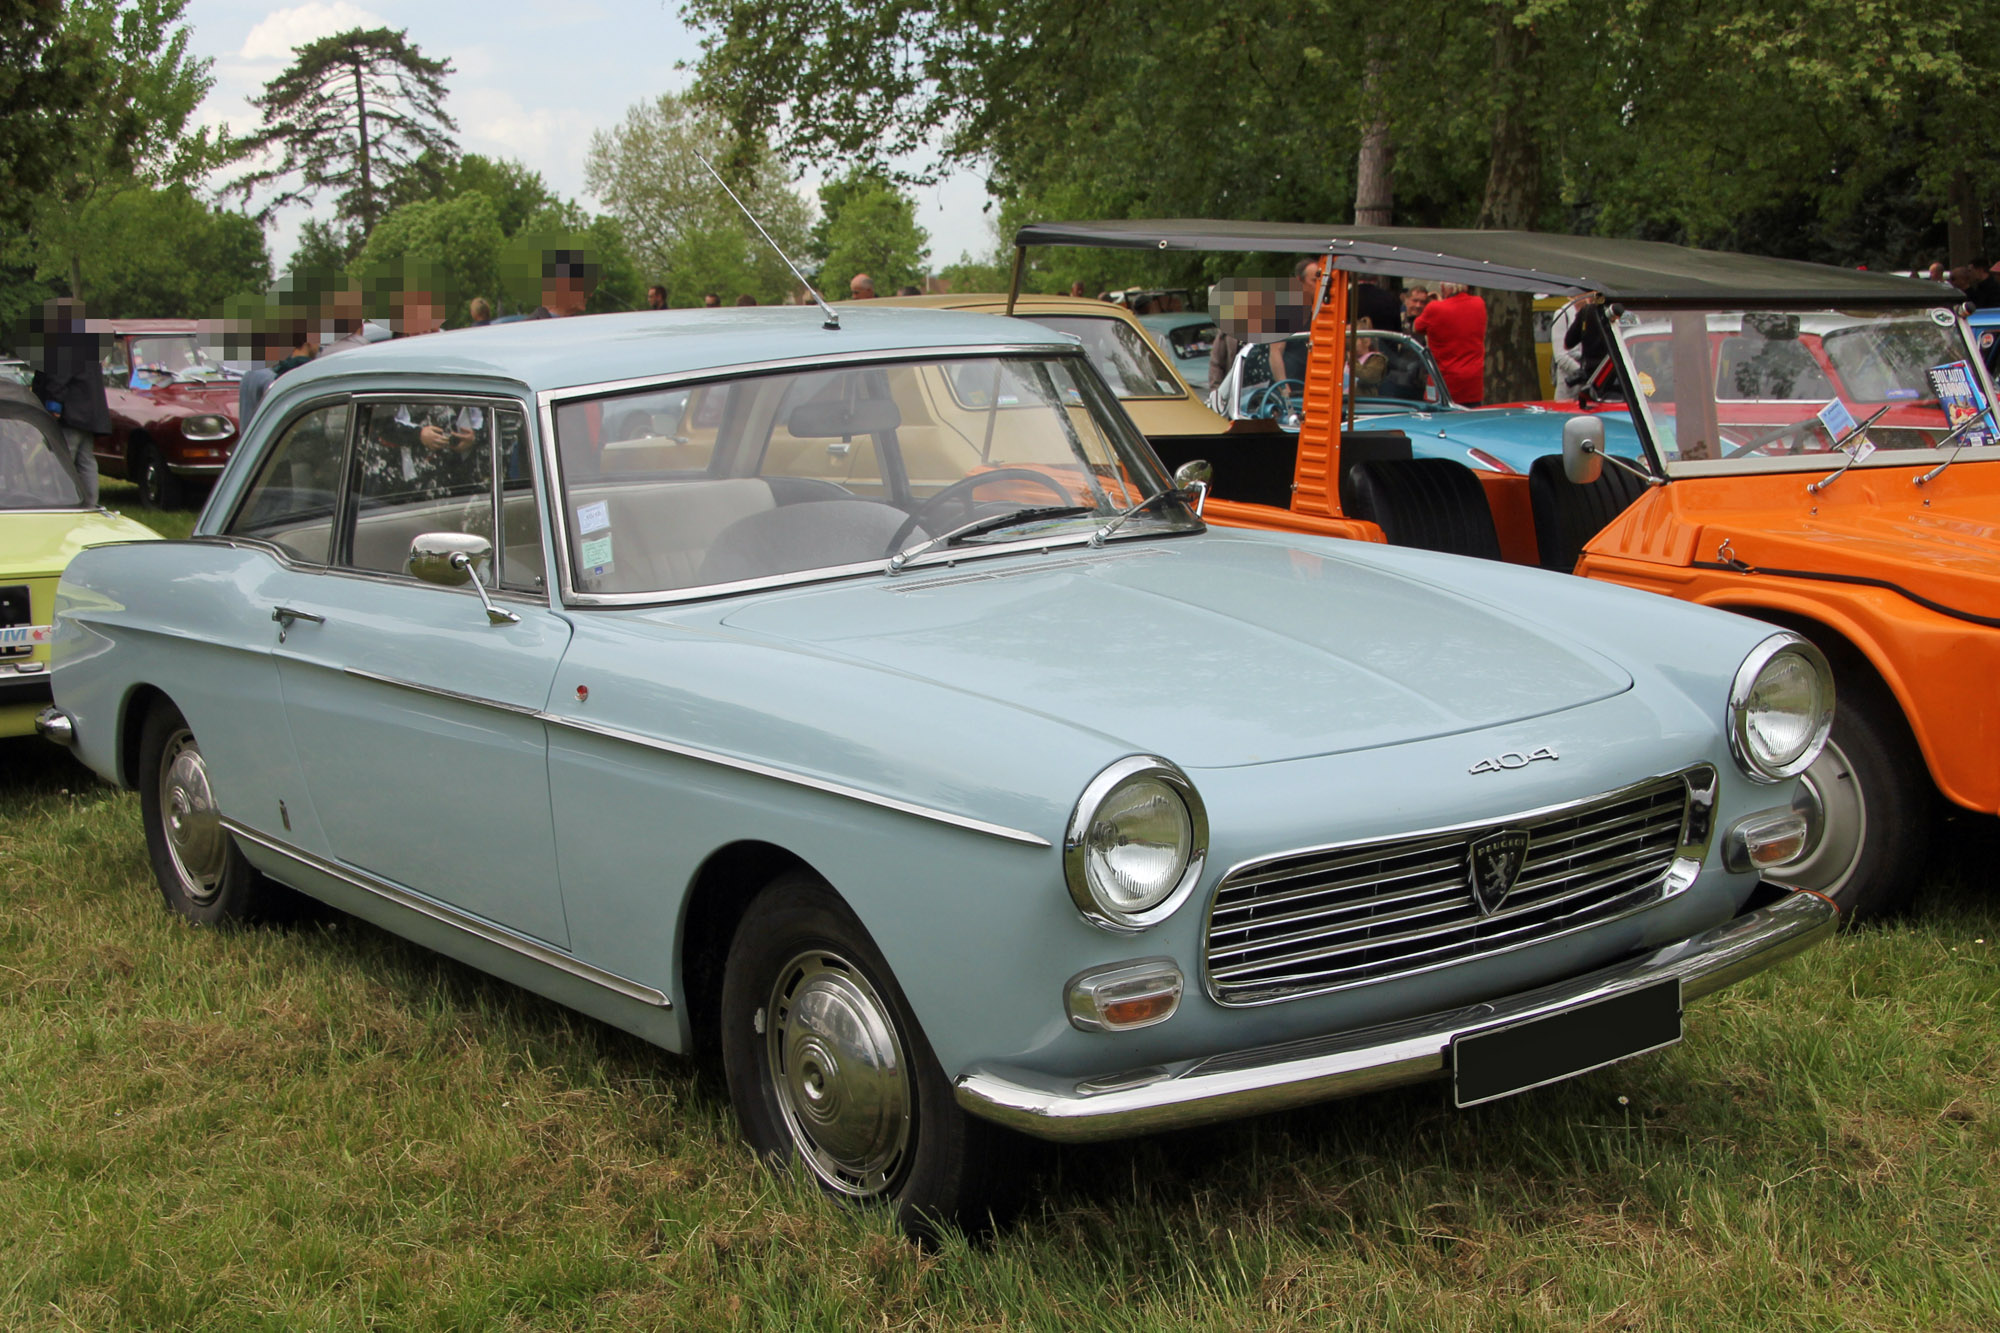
(320, 1127)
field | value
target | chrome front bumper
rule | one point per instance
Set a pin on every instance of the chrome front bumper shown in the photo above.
(1274, 1078)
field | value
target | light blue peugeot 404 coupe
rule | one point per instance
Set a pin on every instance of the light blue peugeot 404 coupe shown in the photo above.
(865, 703)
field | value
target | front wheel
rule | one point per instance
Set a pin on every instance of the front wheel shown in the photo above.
(200, 870)
(828, 1068)
(1865, 800)
(158, 487)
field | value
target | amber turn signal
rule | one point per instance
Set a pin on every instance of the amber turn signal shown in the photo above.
(1130, 995)
(1762, 841)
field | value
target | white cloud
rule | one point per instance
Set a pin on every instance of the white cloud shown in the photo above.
(279, 33)
(548, 139)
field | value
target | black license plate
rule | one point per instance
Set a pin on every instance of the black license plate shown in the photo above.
(1501, 1061)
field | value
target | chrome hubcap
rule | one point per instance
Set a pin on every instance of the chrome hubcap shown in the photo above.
(841, 1076)
(1836, 826)
(196, 842)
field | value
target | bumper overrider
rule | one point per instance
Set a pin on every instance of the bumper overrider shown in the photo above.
(1298, 1073)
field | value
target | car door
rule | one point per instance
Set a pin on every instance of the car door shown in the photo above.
(415, 711)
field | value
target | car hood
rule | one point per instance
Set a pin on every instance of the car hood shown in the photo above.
(1220, 650)
(39, 542)
(215, 396)
(1517, 436)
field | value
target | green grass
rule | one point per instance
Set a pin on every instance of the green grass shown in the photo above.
(123, 496)
(321, 1127)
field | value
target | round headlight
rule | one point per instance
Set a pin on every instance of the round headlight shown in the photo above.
(1780, 708)
(208, 426)
(1135, 844)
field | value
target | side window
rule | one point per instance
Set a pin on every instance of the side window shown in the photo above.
(115, 364)
(522, 564)
(291, 502)
(420, 466)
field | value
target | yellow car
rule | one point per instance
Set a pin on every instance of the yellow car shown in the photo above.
(43, 522)
(1159, 401)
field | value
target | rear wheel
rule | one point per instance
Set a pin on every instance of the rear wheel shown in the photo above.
(158, 487)
(827, 1067)
(1866, 799)
(200, 870)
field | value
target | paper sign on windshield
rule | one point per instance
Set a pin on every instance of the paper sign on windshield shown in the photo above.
(1958, 394)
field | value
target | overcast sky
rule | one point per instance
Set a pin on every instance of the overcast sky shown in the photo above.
(531, 82)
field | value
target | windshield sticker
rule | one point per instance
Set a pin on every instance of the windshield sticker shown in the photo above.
(1646, 385)
(1958, 394)
(1839, 422)
(593, 517)
(597, 554)
(1942, 317)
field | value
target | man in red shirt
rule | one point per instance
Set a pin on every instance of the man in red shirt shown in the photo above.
(1454, 327)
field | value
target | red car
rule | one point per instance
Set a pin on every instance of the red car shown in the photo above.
(173, 411)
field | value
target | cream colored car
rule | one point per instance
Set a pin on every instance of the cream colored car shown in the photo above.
(1160, 402)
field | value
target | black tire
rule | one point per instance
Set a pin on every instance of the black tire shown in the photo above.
(873, 1121)
(158, 487)
(1868, 797)
(200, 870)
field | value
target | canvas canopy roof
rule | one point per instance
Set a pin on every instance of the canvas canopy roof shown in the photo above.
(1637, 273)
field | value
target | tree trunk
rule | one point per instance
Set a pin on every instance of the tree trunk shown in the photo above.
(367, 200)
(76, 275)
(1964, 231)
(1512, 202)
(1374, 173)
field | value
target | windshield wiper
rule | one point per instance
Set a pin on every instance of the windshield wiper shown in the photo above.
(978, 526)
(1956, 431)
(1117, 520)
(1853, 455)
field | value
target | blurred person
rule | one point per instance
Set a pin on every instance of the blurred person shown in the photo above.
(656, 297)
(69, 381)
(568, 279)
(416, 313)
(1454, 327)
(481, 311)
(1414, 300)
(1985, 288)
(1298, 351)
(304, 340)
(746, 299)
(908, 289)
(343, 312)
(1584, 347)
(1076, 289)
(711, 300)
(1376, 304)
(1935, 272)
(861, 287)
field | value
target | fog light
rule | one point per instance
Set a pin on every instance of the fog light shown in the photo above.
(1131, 995)
(1767, 840)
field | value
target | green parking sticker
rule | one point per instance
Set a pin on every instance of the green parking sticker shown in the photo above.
(597, 554)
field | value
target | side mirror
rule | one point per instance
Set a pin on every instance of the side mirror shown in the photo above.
(1583, 449)
(1194, 477)
(432, 557)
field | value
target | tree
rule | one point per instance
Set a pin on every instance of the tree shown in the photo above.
(517, 193)
(682, 229)
(455, 242)
(351, 111)
(163, 253)
(869, 226)
(135, 128)
(49, 73)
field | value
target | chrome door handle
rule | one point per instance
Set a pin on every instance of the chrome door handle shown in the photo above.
(285, 615)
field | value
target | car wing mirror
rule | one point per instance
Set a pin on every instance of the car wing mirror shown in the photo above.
(1193, 478)
(451, 560)
(1583, 449)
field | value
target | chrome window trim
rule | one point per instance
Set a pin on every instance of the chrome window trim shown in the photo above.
(557, 495)
(464, 922)
(1087, 805)
(710, 757)
(337, 398)
(1736, 721)
(1697, 833)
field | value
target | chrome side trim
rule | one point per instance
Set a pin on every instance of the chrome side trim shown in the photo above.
(1274, 1078)
(799, 780)
(710, 757)
(470, 925)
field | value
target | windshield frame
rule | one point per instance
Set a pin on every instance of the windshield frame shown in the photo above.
(557, 489)
(1651, 434)
(1130, 324)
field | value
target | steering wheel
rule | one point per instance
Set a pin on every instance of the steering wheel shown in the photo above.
(1266, 401)
(967, 485)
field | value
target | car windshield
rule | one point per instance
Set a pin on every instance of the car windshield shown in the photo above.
(1191, 342)
(177, 356)
(33, 474)
(769, 476)
(1387, 372)
(1762, 390)
(1121, 353)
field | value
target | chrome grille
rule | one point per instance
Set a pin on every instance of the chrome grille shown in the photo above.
(1324, 920)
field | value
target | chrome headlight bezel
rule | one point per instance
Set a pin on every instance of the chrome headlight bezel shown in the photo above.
(207, 427)
(1759, 767)
(1076, 853)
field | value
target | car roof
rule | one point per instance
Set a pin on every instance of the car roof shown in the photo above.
(124, 326)
(1634, 272)
(1041, 305)
(644, 344)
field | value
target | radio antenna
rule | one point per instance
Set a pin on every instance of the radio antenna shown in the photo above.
(832, 319)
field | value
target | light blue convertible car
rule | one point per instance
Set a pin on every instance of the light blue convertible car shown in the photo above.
(1397, 387)
(866, 703)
